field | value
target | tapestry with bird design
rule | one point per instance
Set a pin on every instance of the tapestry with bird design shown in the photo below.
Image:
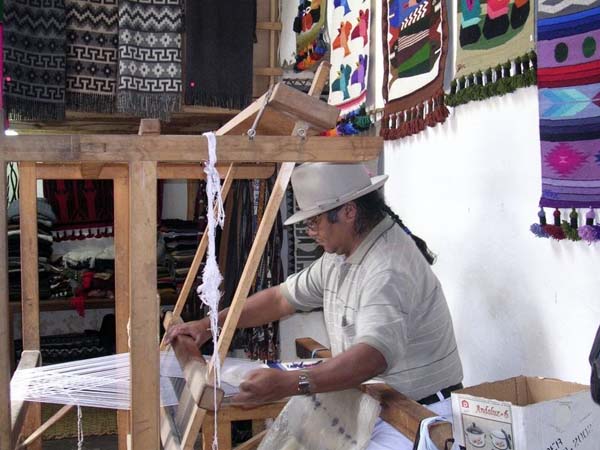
(495, 53)
(309, 26)
(415, 36)
(569, 103)
(348, 22)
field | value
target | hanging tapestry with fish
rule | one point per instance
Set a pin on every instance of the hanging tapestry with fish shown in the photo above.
(569, 105)
(415, 42)
(349, 27)
(309, 26)
(495, 52)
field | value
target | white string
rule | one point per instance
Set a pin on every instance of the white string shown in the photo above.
(96, 382)
(79, 429)
(208, 291)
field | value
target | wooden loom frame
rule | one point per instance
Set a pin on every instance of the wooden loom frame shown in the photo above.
(135, 163)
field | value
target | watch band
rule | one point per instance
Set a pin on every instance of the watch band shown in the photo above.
(304, 382)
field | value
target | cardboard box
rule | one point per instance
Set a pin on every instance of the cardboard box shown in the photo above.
(526, 413)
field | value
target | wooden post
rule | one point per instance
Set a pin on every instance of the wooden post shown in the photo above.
(144, 317)
(121, 243)
(5, 335)
(30, 301)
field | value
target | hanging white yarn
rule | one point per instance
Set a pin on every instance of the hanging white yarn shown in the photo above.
(208, 291)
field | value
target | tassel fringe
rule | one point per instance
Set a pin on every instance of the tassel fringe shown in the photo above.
(158, 106)
(570, 230)
(494, 81)
(408, 122)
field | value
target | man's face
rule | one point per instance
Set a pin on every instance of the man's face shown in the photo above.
(333, 237)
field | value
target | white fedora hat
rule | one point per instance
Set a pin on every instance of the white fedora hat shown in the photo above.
(321, 187)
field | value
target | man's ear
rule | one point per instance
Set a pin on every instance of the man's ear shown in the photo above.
(349, 211)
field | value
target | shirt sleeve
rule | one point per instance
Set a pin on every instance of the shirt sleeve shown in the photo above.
(381, 320)
(304, 289)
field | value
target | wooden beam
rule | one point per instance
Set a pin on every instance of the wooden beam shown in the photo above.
(253, 442)
(309, 348)
(20, 409)
(117, 148)
(166, 171)
(5, 325)
(37, 434)
(29, 256)
(145, 398)
(275, 26)
(122, 300)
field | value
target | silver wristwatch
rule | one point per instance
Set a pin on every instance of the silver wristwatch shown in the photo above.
(303, 383)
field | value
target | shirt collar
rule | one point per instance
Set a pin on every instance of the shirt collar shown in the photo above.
(358, 255)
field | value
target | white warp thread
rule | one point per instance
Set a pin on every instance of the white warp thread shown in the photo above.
(208, 291)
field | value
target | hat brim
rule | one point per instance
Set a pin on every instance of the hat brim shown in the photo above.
(376, 183)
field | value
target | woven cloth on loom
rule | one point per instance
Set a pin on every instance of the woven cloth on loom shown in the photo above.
(149, 82)
(309, 26)
(349, 25)
(92, 45)
(80, 205)
(569, 104)
(34, 59)
(219, 51)
(415, 44)
(492, 36)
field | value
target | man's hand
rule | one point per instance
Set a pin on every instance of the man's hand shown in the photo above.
(197, 330)
(267, 385)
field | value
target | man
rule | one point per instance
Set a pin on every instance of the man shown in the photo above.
(384, 309)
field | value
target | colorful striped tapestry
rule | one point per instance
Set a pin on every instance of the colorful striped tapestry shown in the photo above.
(493, 36)
(349, 27)
(569, 101)
(415, 37)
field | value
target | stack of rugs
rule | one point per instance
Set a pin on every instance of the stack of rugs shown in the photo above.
(180, 239)
(47, 272)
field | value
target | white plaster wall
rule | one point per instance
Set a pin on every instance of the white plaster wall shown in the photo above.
(470, 187)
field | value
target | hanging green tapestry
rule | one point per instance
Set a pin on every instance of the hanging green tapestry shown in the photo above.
(569, 104)
(495, 49)
(349, 26)
(415, 41)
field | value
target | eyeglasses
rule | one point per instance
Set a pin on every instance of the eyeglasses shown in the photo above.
(313, 223)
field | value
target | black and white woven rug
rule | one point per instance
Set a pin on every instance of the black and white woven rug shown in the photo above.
(34, 59)
(92, 45)
(149, 83)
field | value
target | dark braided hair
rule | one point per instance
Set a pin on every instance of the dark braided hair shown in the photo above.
(371, 209)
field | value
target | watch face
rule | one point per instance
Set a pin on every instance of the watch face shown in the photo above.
(303, 384)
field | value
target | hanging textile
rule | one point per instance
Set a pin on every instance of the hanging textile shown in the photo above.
(92, 44)
(569, 89)
(34, 59)
(84, 208)
(149, 83)
(249, 200)
(415, 42)
(349, 27)
(309, 26)
(494, 35)
(287, 38)
(219, 52)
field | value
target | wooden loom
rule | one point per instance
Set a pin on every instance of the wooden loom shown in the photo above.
(134, 163)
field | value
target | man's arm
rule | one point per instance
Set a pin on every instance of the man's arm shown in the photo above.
(349, 369)
(263, 307)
